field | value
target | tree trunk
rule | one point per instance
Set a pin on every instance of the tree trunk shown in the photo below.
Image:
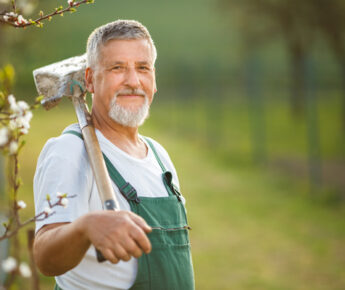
(297, 98)
(342, 75)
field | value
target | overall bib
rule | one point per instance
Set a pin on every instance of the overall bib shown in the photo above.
(169, 265)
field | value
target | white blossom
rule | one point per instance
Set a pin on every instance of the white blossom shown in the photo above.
(3, 136)
(13, 147)
(61, 194)
(21, 117)
(25, 270)
(19, 108)
(21, 204)
(8, 16)
(47, 210)
(9, 265)
(24, 131)
(23, 106)
(12, 125)
(23, 122)
(28, 116)
(64, 202)
(13, 104)
(20, 20)
(70, 2)
(12, 14)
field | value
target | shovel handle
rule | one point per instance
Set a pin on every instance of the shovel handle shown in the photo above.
(99, 169)
(108, 205)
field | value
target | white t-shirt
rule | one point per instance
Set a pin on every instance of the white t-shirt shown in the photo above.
(63, 167)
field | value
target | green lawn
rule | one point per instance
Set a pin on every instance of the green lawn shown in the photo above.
(253, 227)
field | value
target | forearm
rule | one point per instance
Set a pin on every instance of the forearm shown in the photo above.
(119, 235)
(60, 247)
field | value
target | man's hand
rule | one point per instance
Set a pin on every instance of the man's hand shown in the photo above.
(118, 235)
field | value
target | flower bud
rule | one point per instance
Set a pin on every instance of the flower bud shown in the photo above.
(13, 147)
(47, 210)
(24, 270)
(9, 265)
(21, 204)
(61, 194)
(64, 202)
(3, 136)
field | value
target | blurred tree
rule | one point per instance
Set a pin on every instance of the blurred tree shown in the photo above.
(261, 21)
(330, 23)
(297, 23)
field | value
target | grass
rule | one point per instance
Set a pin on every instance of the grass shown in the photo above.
(253, 227)
(254, 230)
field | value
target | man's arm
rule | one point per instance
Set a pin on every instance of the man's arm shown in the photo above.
(119, 235)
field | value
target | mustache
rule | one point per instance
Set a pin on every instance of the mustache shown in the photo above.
(137, 92)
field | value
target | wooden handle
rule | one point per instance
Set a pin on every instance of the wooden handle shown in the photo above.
(99, 169)
(98, 166)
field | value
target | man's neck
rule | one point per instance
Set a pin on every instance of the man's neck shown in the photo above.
(125, 138)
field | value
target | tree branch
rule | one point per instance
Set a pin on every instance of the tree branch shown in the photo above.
(38, 22)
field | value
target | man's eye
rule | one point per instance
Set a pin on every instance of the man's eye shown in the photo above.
(144, 67)
(117, 67)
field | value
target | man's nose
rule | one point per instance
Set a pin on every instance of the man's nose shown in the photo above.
(132, 78)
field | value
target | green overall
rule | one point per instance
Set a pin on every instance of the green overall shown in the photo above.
(169, 265)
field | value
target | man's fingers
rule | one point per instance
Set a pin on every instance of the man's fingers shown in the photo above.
(142, 223)
(109, 255)
(119, 235)
(132, 248)
(141, 239)
(121, 253)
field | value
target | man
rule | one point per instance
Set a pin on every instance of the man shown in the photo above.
(145, 243)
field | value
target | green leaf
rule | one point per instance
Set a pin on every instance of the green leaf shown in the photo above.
(9, 73)
(39, 99)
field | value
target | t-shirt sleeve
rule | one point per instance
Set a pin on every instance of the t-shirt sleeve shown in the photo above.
(62, 167)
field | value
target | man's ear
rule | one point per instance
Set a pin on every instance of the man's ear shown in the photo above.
(89, 79)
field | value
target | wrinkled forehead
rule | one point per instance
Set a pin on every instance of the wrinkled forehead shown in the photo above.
(124, 49)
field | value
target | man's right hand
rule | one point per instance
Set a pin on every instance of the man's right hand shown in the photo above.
(119, 235)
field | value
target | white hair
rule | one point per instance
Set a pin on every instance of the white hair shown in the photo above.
(119, 29)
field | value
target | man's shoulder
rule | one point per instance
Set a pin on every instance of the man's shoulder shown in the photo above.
(66, 145)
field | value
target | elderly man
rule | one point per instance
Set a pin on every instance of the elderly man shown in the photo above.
(146, 243)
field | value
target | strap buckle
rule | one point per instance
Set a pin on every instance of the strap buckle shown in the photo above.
(129, 192)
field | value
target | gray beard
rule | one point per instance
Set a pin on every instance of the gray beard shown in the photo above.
(128, 117)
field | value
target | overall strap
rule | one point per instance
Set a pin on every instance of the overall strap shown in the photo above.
(156, 154)
(167, 176)
(126, 189)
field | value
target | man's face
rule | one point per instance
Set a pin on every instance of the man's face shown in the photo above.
(125, 70)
